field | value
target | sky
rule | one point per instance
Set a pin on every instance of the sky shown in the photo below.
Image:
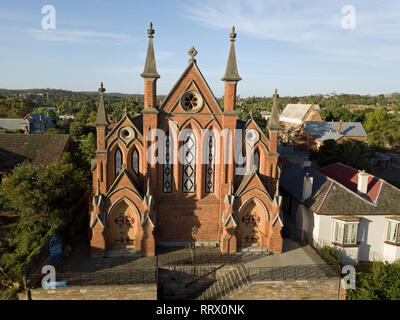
(301, 47)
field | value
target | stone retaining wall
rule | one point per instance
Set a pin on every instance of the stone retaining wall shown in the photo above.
(292, 290)
(130, 292)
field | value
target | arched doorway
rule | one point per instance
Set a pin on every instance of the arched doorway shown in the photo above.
(249, 224)
(123, 224)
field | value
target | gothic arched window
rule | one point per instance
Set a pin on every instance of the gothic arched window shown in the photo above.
(118, 161)
(257, 160)
(167, 171)
(189, 163)
(135, 161)
(210, 164)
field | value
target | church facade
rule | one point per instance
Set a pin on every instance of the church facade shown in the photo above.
(171, 175)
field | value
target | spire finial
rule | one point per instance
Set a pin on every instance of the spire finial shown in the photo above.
(192, 53)
(233, 34)
(125, 110)
(102, 89)
(276, 95)
(150, 31)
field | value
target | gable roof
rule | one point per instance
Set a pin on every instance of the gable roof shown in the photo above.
(331, 197)
(296, 112)
(328, 130)
(244, 181)
(38, 149)
(192, 64)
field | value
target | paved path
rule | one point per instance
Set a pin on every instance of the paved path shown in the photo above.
(293, 254)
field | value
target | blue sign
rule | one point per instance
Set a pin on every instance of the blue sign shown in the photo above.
(55, 249)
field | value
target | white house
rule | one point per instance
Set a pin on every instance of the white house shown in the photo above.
(356, 213)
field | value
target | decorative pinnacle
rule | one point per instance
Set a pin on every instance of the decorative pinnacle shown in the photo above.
(102, 89)
(276, 95)
(125, 110)
(233, 34)
(150, 31)
(192, 53)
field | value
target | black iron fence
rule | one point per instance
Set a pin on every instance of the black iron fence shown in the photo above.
(207, 258)
(126, 277)
(300, 272)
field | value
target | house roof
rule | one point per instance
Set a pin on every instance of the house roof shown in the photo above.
(10, 124)
(348, 177)
(38, 149)
(328, 130)
(296, 111)
(337, 195)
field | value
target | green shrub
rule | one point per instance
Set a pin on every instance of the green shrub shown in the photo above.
(329, 254)
(381, 283)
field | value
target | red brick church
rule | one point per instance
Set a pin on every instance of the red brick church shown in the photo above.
(150, 191)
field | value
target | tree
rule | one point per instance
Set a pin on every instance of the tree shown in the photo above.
(88, 148)
(381, 283)
(43, 198)
(353, 153)
(77, 130)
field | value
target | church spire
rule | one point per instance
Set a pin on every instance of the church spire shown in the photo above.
(231, 72)
(150, 70)
(101, 119)
(273, 123)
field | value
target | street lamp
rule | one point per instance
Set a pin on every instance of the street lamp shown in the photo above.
(194, 232)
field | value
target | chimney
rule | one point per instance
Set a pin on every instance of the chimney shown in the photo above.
(362, 185)
(307, 186)
(339, 129)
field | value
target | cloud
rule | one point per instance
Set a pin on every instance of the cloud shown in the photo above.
(313, 25)
(73, 35)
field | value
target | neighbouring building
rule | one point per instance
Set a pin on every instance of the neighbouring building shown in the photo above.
(313, 134)
(31, 123)
(294, 116)
(139, 203)
(356, 213)
(39, 149)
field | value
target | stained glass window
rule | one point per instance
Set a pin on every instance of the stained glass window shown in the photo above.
(118, 161)
(135, 161)
(167, 175)
(189, 163)
(210, 165)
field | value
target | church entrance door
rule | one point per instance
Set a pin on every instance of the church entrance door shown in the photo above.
(123, 227)
(249, 225)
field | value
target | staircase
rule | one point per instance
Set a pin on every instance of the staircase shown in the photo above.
(227, 284)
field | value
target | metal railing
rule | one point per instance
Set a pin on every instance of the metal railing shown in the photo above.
(126, 277)
(207, 258)
(300, 272)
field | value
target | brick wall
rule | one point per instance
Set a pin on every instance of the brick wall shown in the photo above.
(292, 290)
(131, 292)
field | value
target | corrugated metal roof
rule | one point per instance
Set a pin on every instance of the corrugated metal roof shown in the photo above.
(296, 111)
(328, 130)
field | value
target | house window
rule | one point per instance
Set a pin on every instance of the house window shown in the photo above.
(118, 161)
(167, 174)
(345, 233)
(393, 232)
(189, 163)
(135, 161)
(210, 165)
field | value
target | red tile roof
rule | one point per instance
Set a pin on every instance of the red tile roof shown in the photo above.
(348, 177)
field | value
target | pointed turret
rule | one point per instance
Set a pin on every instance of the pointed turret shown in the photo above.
(231, 72)
(101, 119)
(273, 123)
(150, 70)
